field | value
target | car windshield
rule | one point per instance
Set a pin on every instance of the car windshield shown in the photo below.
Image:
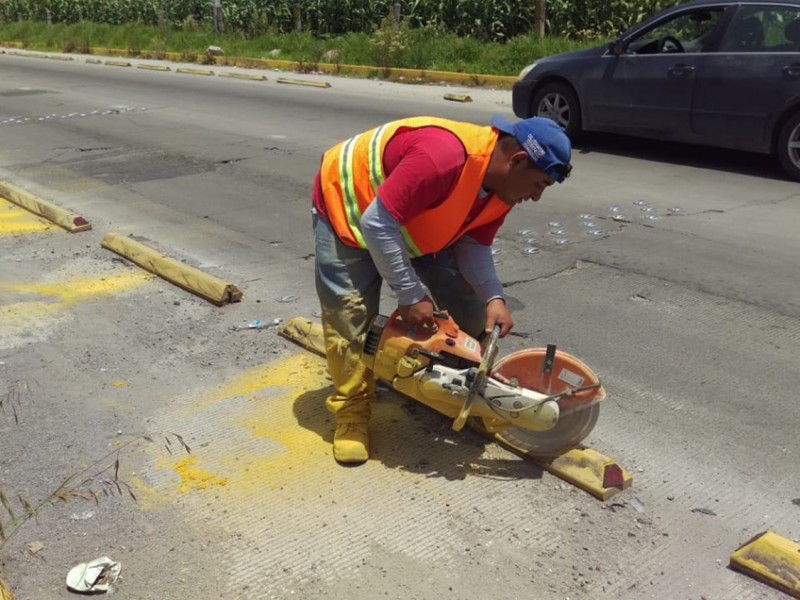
(688, 32)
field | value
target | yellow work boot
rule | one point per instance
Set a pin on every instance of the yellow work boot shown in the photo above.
(351, 443)
(351, 439)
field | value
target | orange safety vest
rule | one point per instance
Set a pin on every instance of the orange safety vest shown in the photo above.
(352, 171)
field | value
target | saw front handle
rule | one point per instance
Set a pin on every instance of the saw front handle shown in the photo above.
(479, 382)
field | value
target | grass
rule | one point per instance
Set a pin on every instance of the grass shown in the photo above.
(413, 49)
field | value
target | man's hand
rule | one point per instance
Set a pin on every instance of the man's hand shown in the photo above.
(419, 314)
(497, 314)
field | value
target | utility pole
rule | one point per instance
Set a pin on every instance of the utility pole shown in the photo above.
(218, 24)
(539, 17)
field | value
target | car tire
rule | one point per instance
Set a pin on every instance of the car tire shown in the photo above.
(788, 148)
(558, 101)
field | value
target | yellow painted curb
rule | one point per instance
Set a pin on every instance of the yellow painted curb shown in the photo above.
(70, 221)
(5, 593)
(393, 74)
(585, 468)
(117, 63)
(154, 67)
(458, 97)
(193, 280)
(244, 76)
(772, 559)
(305, 333)
(194, 71)
(304, 82)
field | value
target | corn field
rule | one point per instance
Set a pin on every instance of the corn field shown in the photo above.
(489, 20)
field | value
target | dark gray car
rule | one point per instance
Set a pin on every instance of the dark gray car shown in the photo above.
(711, 72)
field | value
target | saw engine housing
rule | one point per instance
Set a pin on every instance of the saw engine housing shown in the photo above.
(440, 368)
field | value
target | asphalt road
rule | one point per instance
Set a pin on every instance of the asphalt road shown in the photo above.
(687, 307)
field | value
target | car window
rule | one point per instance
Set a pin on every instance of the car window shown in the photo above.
(693, 31)
(760, 28)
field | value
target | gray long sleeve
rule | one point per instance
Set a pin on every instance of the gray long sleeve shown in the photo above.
(389, 252)
(476, 265)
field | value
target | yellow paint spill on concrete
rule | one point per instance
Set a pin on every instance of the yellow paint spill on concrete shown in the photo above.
(53, 299)
(119, 384)
(15, 220)
(297, 373)
(285, 407)
(193, 478)
(146, 496)
(82, 289)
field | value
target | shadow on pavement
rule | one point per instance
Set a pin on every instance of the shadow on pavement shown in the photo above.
(689, 155)
(410, 436)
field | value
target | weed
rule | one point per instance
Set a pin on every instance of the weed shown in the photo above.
(93, 483)
(390, 42)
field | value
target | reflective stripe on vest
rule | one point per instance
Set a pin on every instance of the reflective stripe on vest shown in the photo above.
(352, 172)
(376, 178)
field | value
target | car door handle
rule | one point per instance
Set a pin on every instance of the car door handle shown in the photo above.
(681, 70)
(792, 70)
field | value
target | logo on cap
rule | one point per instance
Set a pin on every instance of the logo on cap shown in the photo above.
(533, 147)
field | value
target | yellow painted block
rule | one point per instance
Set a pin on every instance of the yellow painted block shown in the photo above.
(193, 280)
(305, 333)
(585, 468)
(70, 221)
(458, 97)
(244, 76)
(153, 67)
(318, 84)
(772, 559)
(5, 593)
(195, 71)
(117, 63)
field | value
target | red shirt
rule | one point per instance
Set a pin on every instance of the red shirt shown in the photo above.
(422, 167)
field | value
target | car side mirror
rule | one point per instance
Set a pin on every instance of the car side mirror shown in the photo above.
(616, 47)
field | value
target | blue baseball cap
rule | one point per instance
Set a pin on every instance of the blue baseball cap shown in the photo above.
(545, 142)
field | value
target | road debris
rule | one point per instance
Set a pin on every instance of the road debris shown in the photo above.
(704, 511)
(96, 576)
(256, 324)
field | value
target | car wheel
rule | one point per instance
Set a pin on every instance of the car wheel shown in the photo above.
(789, 146)
(557, 101)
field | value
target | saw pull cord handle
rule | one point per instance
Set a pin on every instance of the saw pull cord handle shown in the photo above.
(479, 383)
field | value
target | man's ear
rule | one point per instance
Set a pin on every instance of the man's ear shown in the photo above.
(519, 157)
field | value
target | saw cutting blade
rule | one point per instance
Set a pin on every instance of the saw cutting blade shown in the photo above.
(569, 432)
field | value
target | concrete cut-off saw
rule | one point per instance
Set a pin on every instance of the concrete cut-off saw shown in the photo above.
(537, 400)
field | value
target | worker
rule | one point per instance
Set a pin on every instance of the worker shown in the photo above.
(417, 203)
